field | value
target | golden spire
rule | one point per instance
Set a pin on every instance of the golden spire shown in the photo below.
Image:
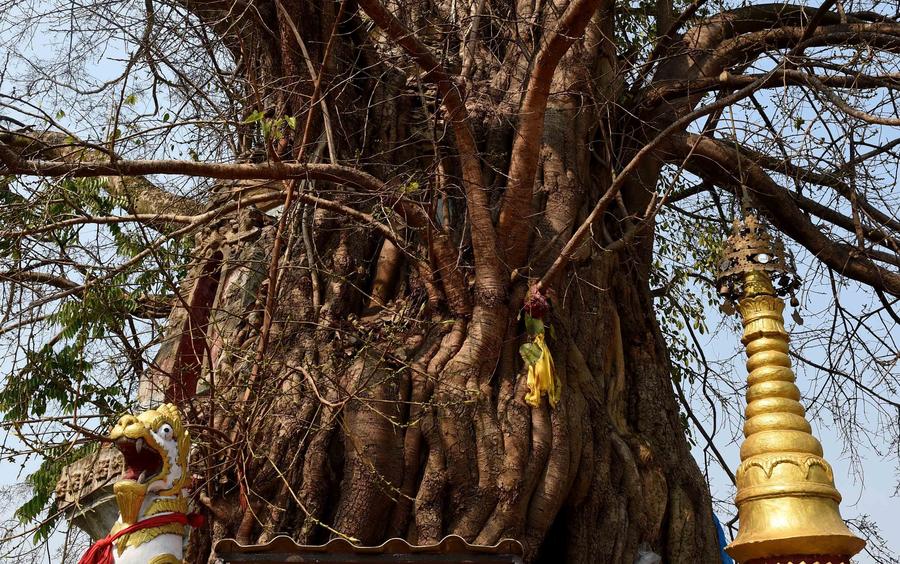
(786, 499)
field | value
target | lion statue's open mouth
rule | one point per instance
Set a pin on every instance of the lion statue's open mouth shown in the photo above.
(142, 462)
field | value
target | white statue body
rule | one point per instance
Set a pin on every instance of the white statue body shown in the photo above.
(155, 446)
(164, 549)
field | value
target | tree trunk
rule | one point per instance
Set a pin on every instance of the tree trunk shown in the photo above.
(388, 396)
(357, 427)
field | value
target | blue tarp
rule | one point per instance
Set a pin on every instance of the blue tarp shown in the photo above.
(720, 534)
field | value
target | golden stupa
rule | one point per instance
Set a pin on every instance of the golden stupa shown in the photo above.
(786, 499)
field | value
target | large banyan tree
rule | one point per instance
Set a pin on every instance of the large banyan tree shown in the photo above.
(318, 225)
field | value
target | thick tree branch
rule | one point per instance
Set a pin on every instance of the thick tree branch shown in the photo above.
(717, 162)
(884, 36)
(784, 166)
(18, 163)
(515, 213)
(736, 37)
(247, 171)
(661, 48)
(37, 277)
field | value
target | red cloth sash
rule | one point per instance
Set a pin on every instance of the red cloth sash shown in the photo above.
(101, 551)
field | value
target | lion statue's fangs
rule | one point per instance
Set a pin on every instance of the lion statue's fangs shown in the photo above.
(151, 494)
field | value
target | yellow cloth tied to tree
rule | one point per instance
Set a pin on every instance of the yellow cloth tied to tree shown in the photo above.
(542, 376)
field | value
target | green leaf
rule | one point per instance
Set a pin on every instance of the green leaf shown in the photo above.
(274, 128)
(130, 100)
(292, 122)
(60, 114)
(166, 116)
(533, 326)
(254, 117)
(530, 353)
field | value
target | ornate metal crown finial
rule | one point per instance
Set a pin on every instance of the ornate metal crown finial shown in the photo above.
(750, 248)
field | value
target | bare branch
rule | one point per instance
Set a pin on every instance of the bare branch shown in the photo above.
(717, 162)
(574, 242)
(139, 195)
(249, 171)
(148, 306)
(484, 237)
(36, 277)
(847, 108)
(673, 89)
